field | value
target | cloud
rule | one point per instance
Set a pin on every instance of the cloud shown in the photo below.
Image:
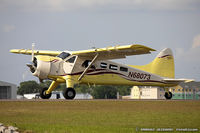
(196, 41)
(187, 60)
(179, 52)
(68, 5)
(8, 28)
(190, 54)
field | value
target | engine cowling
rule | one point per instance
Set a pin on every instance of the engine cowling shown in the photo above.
(42, 66)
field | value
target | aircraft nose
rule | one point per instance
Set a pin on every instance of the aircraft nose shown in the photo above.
(32, 65)
(40, 66)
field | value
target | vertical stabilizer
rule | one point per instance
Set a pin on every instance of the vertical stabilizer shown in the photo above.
(162, 65)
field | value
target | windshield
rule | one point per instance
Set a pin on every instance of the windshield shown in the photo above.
(71, 60)
(63, 55)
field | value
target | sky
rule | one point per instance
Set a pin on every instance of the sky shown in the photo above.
(83, 24)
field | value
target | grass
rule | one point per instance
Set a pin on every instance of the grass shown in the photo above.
(98, 116)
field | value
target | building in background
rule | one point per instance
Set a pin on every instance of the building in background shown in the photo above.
(183, 91)
(146, 92)
(8, 90)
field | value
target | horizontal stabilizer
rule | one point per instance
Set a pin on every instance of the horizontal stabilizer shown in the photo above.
(178, 80)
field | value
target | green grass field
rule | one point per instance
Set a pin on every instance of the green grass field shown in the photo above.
(98, 116)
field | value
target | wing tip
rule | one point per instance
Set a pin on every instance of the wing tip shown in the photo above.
(13, 51)
(142, 46)
(189, 80)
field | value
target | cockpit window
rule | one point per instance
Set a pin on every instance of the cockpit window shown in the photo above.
(71, 60)
(63, 55)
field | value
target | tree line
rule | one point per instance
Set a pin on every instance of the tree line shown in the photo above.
(97, 91)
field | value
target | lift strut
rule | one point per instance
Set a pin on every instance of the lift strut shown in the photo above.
(86, 69)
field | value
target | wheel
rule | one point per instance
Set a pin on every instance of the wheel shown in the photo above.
(69, 93)
(168, 95)
(43, 94)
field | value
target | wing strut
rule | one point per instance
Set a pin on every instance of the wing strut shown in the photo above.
(86, 69)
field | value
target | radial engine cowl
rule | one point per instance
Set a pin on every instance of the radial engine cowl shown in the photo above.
(43, 67)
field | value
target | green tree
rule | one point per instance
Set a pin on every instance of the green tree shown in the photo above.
(47, 83)
(103, 91)
(83, 88)
(28, 87)
(123, 90)
(98, 92)
(110, 92)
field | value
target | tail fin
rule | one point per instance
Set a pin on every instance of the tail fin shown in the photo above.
(162, 65)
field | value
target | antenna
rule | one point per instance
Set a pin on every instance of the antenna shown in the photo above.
(92, 45)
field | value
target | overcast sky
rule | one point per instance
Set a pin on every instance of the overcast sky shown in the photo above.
(82, 24)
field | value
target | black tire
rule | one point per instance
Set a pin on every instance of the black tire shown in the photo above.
(43, 94)
(69, 93)
(168, 95)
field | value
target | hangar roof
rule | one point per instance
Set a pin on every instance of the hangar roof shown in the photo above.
(2, 83)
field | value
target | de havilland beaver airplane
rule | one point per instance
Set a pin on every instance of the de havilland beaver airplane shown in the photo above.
(93, 66)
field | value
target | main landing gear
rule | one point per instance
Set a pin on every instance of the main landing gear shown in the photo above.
(43, 94)
(68, 93)
(168, 95)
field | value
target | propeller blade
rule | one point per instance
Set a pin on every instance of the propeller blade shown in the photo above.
(33, 45)
(31, 66)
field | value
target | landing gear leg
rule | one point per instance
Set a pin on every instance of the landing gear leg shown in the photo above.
(46, 92)
(69, 92)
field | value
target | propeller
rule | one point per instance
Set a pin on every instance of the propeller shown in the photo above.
(34, 61)
(33, 64)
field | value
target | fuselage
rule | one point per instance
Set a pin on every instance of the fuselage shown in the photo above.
(102, 72)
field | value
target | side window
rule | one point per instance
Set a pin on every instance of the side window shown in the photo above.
(124, 69)
(103, 65)
(113, 67)
(86, 63)
(71, 60)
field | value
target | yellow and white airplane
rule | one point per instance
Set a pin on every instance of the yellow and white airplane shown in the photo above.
(93, 66)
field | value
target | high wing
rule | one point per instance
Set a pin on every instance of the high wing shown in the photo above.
(115, 52)
(36, 52)
(107, 53)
